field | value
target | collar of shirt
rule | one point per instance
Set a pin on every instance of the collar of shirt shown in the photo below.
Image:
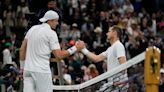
(46, 25)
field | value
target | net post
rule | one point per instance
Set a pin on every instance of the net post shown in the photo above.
(152, 69)
(60, 73)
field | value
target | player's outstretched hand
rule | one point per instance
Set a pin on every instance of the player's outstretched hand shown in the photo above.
(80, 45)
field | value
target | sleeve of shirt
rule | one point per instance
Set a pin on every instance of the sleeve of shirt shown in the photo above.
(54, 43)
(120, 50)
(29, 32)
(27, 35)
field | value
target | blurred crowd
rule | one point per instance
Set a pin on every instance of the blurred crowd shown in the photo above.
(87, 20)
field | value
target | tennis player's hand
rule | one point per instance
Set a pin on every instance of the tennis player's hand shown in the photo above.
(80, 45)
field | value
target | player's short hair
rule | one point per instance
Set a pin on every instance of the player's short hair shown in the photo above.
(117, 30)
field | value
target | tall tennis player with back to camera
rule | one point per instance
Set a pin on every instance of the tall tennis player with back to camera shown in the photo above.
(35, 51)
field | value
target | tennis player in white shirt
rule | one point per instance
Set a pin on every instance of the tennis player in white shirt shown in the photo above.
(35, 51)
(114, 55)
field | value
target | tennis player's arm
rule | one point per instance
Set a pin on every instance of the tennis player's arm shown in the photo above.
(60, 54)
(122, 59)
(120, 53)
(95, 58)
(22, 50)
(92, 56)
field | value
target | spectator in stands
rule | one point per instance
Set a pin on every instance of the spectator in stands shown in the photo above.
(64, 33)
(93, 71)
(67, 77)
(76, 63)
(87, 75)
(128, 7)
(88, 25)
(51, 5)
(97, 43)
(75, 32)
(9, 21)
(7, 57)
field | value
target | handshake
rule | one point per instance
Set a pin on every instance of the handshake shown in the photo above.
(79, 46)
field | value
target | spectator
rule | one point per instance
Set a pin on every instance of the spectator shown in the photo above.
(67, 76)
(51, 5)
(7, 57)
(64, 33)
(128, 7)
(75, 32)
(88, 25)
(87, 75)
(93, 71)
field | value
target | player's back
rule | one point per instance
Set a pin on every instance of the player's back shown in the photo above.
(38, 51)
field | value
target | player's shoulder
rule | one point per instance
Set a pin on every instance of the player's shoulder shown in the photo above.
(50, 32)
(119, 44)
(34, 27)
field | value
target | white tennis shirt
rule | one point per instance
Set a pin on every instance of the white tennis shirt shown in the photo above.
(113, 53)
(41, 40)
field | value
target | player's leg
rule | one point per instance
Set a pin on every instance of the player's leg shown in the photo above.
(28, 82)
(43, 82)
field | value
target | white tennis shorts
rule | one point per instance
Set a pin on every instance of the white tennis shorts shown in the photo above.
(37, 82)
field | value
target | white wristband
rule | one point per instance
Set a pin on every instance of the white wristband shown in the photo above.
(85, 51)
(72, 50)
(21, 64)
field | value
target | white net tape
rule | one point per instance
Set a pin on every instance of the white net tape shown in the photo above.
(101, 77)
